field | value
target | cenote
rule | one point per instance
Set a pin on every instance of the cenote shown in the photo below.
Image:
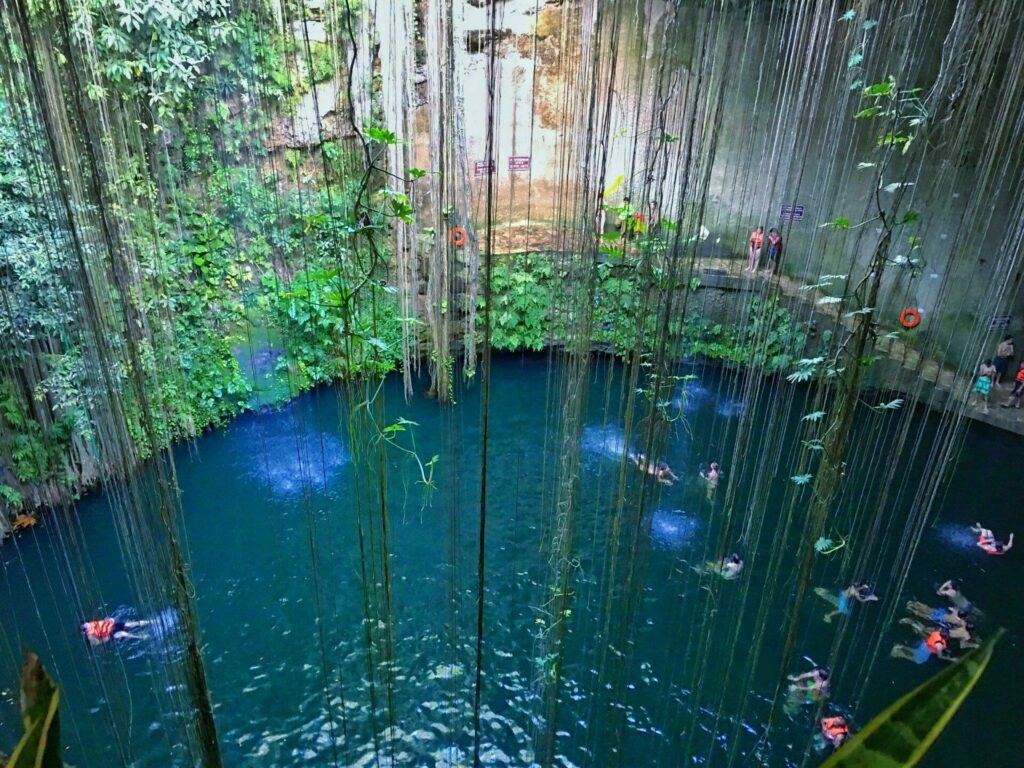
(259, 493)
(542, 384)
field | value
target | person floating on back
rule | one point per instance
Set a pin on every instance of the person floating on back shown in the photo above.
(729, 568)
(987, 541)
(860, 591)
(934, 642)
(100, 631)
(659, 470)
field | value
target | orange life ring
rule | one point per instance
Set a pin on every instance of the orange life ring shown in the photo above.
(457, 237)
(910, 318)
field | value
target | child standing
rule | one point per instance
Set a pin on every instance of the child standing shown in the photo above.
(983, 383)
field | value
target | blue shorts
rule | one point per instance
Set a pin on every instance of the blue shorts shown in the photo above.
(938, 616)
(921, 653)
(844, 603)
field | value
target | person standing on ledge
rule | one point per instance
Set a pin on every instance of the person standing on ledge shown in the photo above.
(774, 251)
(1018, 389)
(1004, 354)
(756, 241)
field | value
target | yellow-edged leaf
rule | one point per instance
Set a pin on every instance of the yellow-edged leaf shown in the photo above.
(904, 731)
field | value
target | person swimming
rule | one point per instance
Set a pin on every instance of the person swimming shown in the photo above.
(964, 634)
(934, 642)
(99, 631)
(988, 542)
(817, 680)
(729, 568)
(834, 731)
(711, 477)
(945, 617)
(659, 470)
(806, 689)
(951, 590)
(860, 591)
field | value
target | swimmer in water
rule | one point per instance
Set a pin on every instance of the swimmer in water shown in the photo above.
(728, 569)
(711, 478)
(659, 470)
(808, 688)
(860, 591)
(987, 541)
(816, 680)
(946, 617)
(834, 731)
(965, 633)
(951, 591)
(101, 631)
(934, 642)
(731, 566)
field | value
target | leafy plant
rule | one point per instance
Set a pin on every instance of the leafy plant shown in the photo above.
(904, 731)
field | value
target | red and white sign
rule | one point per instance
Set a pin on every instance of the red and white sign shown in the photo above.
(519, 163)
(483, 167)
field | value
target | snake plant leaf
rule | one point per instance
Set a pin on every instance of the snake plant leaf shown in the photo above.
(40, 699)
(901, 734)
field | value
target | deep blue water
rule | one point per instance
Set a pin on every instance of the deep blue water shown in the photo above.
(265, 494)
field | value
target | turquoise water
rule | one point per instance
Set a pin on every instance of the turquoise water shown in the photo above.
(252, 491)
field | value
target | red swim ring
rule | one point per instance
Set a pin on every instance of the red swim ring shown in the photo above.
(910, 318)
(457, 237)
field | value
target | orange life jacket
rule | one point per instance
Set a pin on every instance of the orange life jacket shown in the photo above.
(756, 238)
(936, 642)
(834, 727)
(101, 630)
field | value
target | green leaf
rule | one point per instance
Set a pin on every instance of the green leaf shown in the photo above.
(869, 24)
(415, 173)
(904, 731)
(841, 223)
(909, 217)
(382, 135)
(850, 15)
(880, 89)
(854, 60)
(801, 479)
(869, 112)
(40, 699)
(815, 416)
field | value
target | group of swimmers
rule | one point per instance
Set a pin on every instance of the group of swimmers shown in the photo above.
(729, 567)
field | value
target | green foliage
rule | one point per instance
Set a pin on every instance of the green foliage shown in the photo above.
(40, 703)
(331, 330)
(154, 50)
(904, 731)
(770, 341)
(522, 313)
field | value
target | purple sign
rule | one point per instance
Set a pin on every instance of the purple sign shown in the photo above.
(519, 163)
(483, 167)
(791, 213)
